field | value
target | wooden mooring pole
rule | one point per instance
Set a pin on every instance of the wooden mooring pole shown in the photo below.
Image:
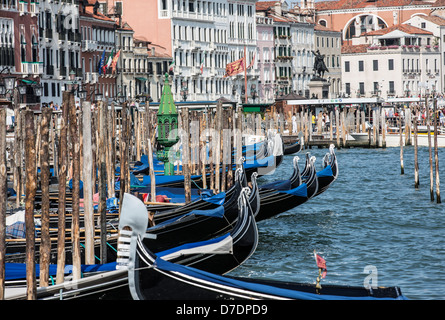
(88, 185)
(416, 161)
(203, 148)
(151, 171)
(102, 176)
(63, 163)
(3, 191)
(75, 154)
(45, 244)
(428, 125)
(402, 168)
(186, 166)
(30, 193)
(239, 138)
(436, 153)
(217, 147)
(124, 136)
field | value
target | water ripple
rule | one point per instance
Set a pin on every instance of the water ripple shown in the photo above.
(371, 216)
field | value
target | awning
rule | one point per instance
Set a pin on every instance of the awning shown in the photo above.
(29, 81)
(141, 79)
(397, 34)
(255, 107)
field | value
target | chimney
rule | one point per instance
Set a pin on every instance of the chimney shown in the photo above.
(152, 51)
(96, 7)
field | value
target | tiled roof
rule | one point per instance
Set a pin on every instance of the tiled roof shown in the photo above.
(402, 27)
(435, 19)
(278, 18)
(90, 13)
(360, 48)
(159, 51)
(438, 3)
(355, 4)
(264, 5)
(126, 26)
(319, 27)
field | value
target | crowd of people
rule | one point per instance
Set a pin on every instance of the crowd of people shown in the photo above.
(421, 116)
(325, 122)
(392, 116)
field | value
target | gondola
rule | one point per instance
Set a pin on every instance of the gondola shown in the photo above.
(262, 160)
(221, 254)
(292, 148)
(163, 212)
(290, 194)
(280, 196)
(198, 224)
(329, 173)
(15, 249)
(295, 147)
(109, 281)
(153, 278)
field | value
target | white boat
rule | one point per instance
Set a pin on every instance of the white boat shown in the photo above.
(360, 136)
(393, 139)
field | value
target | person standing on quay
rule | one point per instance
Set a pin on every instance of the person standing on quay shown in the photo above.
(326, 120)
(294, 123)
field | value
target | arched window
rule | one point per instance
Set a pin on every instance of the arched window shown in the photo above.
(363, 23)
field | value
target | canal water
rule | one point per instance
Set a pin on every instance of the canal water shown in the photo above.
(371, 226)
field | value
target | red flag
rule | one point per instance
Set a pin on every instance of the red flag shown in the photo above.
(321, 264)
(114, 62)
(252, 62)
(235, 67)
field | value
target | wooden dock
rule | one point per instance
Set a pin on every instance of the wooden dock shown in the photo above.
(320, 142)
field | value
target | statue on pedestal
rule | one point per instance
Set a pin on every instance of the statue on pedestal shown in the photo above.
(319, 65)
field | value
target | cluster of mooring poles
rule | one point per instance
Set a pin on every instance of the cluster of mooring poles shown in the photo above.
(54, 156)
(341, 122)
(411, 121)
(49, 149)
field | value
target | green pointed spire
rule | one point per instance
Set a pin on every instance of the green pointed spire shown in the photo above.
(167, 104)
(167, 126)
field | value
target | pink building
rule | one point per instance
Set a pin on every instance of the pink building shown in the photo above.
(142, 15)
(354, 17)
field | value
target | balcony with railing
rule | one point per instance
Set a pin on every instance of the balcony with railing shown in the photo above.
(432, 72)
(411, 70)
(195, 71)
(94, 77)
(63, 71)
(87, 77)
(50, 70)
(37, 68)
(23, 7)
(62, 36)
(34, 8)
(32, 68)
(49, 34)
(89, 45)
(79, 72)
